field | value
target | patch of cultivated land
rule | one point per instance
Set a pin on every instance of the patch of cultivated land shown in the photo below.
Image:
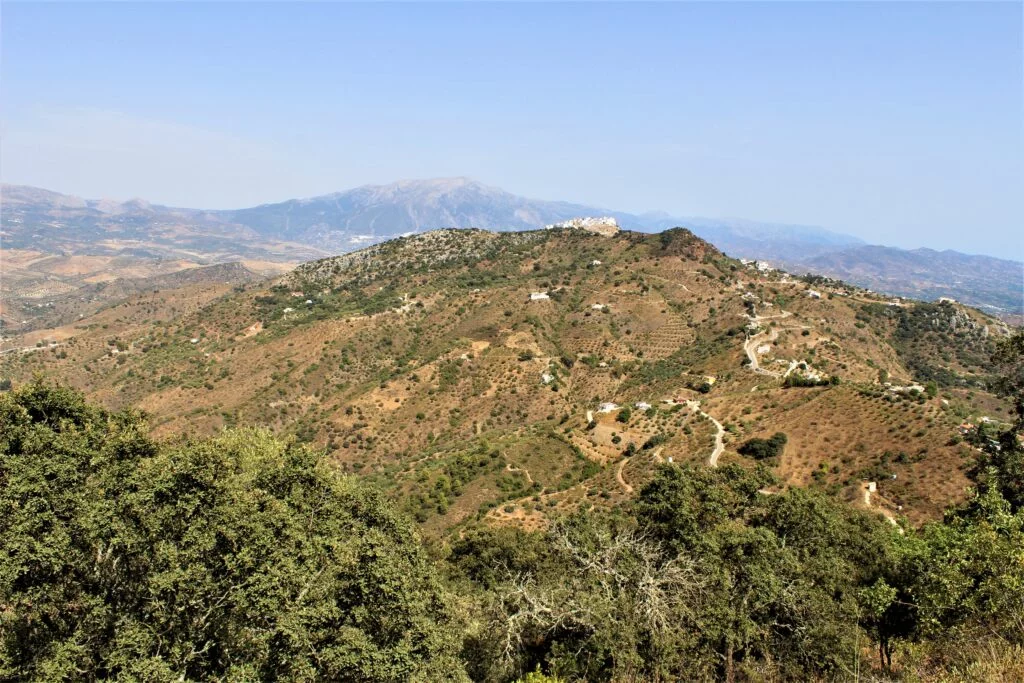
(840, 436)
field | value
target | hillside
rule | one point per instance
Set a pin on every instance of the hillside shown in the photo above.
(24, 310)
(506, 376)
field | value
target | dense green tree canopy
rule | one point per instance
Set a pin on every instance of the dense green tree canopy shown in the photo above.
(240, 557)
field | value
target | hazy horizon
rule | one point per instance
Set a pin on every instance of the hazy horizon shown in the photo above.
(898, 124)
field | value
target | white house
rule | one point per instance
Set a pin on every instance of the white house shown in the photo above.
(539, 296)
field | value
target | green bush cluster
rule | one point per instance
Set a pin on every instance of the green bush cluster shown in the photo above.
(764, 449)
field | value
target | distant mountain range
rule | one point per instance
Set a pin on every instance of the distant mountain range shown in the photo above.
(992, 284)
(39, 219)
(346, 220)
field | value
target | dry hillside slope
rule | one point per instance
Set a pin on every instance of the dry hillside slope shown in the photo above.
(506, 375)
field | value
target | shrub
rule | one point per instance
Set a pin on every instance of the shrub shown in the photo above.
(764, 449)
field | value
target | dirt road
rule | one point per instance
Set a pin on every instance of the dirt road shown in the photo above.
(719, 434)
(618, 476)
(750, 347)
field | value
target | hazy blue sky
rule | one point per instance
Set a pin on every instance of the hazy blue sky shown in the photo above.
(900, 123)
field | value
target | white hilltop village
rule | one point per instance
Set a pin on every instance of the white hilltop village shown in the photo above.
(603, 225)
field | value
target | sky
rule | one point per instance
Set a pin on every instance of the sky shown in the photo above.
(901, 123)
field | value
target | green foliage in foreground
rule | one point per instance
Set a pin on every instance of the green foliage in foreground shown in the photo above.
(709, 578)
(237, 558)
(245, 558)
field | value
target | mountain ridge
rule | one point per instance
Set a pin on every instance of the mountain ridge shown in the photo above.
(350, 219)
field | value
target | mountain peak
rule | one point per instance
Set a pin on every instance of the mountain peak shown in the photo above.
(435, 187)
(444, 184)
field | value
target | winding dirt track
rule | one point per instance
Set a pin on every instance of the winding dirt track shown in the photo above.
(618, 476)
(750, 347)
(719, 434)
(768, 336)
